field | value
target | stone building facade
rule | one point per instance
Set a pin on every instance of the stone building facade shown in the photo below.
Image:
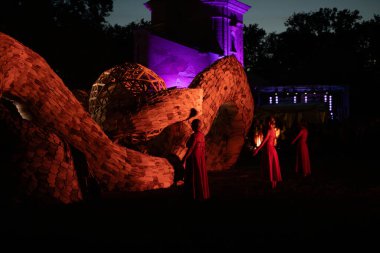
(188, 36)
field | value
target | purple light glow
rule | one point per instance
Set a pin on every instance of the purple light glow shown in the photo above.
(183, 43)
(175, 63)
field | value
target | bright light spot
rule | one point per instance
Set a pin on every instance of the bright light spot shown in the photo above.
(258, 138)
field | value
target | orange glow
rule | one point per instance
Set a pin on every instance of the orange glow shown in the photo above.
(278, 132)
(258, 138)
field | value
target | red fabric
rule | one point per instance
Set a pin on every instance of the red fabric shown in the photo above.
(196, 178)
(302, 154)
(270, 164)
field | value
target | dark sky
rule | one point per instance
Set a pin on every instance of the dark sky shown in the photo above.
(269, 14)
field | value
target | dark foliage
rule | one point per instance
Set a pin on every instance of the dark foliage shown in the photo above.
(323, 47)
(73, 36)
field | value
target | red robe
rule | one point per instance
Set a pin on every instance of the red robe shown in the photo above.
(196, 179)
(270, 164)
(302, 154)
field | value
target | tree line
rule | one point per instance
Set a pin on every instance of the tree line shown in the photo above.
(72, 35)
(328, 46)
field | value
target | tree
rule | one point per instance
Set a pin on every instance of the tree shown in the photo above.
(68, 34)
(368, 44)
(254, 42)
(368, 73)
(121, 39)
(328, 46)
(325, 20)
(317, 47)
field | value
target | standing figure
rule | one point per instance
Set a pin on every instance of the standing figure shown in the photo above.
(269, 160)
(194, 162)
(302, 151)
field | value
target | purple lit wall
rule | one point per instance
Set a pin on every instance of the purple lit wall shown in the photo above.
(188, 36)
(227, 25)
(175, 63)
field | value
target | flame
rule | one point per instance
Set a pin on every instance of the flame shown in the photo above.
(278, 132)
(258, 138)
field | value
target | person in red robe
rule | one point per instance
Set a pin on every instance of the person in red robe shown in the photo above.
(270, 164)
(302, 151)
(194, 162)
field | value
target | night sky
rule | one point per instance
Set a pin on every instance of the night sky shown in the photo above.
(269, 14)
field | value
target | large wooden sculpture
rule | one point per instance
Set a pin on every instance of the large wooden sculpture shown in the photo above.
(27, 78)
(157, 127)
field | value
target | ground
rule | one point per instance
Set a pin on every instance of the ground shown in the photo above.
(337, 207)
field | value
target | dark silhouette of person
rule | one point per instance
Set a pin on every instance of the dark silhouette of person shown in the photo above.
(194, 162)
(302, 150)
(270, 164)
(178, 168)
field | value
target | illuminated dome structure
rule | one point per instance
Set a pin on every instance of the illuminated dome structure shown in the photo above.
(118, 92)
